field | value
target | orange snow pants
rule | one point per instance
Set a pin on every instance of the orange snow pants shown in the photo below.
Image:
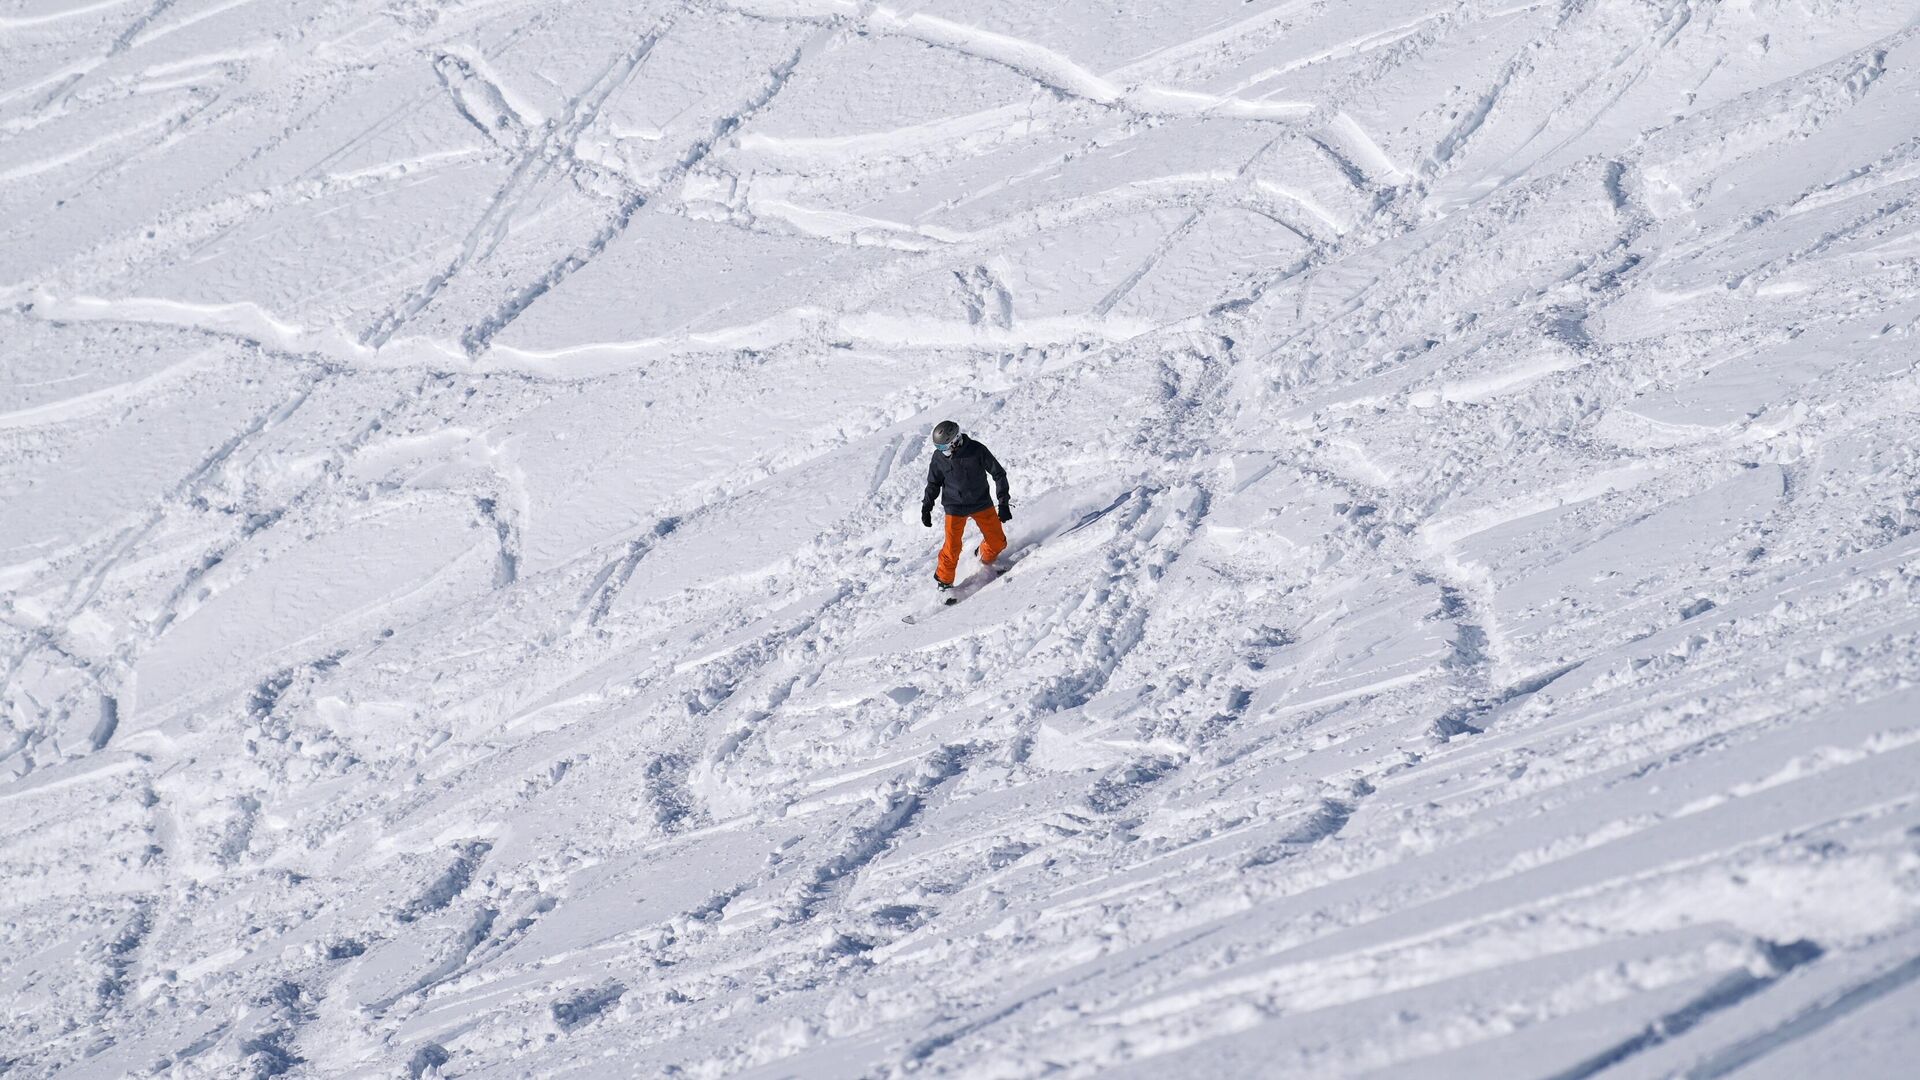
(990, 548)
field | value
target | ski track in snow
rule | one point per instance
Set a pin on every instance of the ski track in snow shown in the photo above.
(459, 470)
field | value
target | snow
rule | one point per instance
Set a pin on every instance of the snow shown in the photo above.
(463, 610)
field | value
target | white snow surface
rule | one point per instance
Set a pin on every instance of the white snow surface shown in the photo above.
(459, 480)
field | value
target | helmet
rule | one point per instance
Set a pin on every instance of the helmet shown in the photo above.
(945, 432)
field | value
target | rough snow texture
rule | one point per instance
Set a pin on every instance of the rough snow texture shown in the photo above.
(458, 476)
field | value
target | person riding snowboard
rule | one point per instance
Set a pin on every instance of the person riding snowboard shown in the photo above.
(957, 477)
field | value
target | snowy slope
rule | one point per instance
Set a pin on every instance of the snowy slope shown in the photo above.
(459, 467)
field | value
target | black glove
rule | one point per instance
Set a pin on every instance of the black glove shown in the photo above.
(926, 516)
(1006, 510)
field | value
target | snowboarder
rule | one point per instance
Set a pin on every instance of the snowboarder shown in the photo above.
(957, 477)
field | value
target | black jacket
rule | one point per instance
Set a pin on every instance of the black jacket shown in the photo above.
(959, 480)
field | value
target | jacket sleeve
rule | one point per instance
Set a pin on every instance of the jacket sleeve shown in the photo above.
(933, 486)
(999, 475)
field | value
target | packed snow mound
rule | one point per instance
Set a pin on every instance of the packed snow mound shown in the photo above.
(459, 482)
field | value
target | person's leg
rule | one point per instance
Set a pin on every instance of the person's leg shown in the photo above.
(996, 537)
(950, 551)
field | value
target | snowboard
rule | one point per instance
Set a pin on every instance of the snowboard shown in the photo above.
(980, 579)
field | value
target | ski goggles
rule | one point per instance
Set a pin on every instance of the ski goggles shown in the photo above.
(943, 447)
